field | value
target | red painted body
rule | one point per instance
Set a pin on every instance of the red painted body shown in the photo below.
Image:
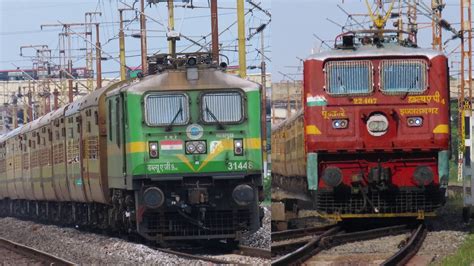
(402, 148)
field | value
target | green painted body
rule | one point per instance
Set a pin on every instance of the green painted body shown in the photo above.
(219, 159)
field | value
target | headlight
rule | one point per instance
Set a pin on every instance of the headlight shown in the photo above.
(238, 147)
(340, 123)
(153, 149)
(196, 147)
(332, 176)
(377, 125)
(201, 148)
(415, 121)
(423, 176)
(243, 195)
(153, 197)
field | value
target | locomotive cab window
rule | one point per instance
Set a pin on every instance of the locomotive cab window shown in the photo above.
(166, 109)
(348, 78)
(222, 107)
(403, 76)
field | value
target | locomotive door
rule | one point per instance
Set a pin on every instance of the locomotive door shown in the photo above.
(116, 143)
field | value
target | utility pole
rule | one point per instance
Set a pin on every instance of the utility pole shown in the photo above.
(68, 32)
(14, 115)
(123, 68)
(241, 34)
(171, 37)
(69, 64)
(55, 101)
(143, 37)
(98, 58)
(465, 104)
(30, 102)
(412, 21)
(88, 22)
(215, 31)
(264, 98)
(437, 7)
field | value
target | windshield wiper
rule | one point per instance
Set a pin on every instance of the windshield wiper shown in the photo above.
(170, 126)
(410, 88)
(219, 124)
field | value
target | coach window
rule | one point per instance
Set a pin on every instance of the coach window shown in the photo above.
(349, 77)
(167, 109)
(403, 76)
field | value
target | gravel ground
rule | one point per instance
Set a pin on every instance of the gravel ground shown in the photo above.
(447, 231)
(261, 238)
(84, 248)
(446, 234)
(89, 248)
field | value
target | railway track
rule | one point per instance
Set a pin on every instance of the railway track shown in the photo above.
(241, 251)
(27, 255)
(410, 249)
(328, 237)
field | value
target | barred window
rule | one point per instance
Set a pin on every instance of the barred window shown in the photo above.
(402, 76)
(166, 109)
(348, 77)
(222, 107)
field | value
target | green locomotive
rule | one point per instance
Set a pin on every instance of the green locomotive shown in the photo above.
(175, 155)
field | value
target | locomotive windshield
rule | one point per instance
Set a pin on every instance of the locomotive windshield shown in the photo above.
(403, 76)
(222, 107)
(348, 77)
(167, 109)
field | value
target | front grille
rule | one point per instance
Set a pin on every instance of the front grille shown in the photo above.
(219, 223)
(402, 201)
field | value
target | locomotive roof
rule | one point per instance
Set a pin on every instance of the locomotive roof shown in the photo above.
(373, 51)
(209, 78)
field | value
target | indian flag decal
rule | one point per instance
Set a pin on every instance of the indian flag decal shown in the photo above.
(171, 145)
(317, 100)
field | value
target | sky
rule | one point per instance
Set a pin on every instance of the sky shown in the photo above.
(20, 22)
(295, 22)
(288, 39)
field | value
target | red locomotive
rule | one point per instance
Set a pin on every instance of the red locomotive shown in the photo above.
(377, 129)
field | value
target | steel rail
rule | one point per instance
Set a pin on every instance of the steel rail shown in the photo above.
(309, 249)
(195, 257)
(279, 248)
(33, 253)
(242, 250)
(295, 233)
(253, 252)
(332, 238)
(410, 249)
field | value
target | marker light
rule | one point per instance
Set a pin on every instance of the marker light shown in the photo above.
(238, 147)
(153, 149)
(340, 123)
(196, 147)
(415, 121)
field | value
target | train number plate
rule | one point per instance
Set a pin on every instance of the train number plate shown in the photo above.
(233, 166)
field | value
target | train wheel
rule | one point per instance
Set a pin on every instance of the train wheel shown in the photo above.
(466, 214)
